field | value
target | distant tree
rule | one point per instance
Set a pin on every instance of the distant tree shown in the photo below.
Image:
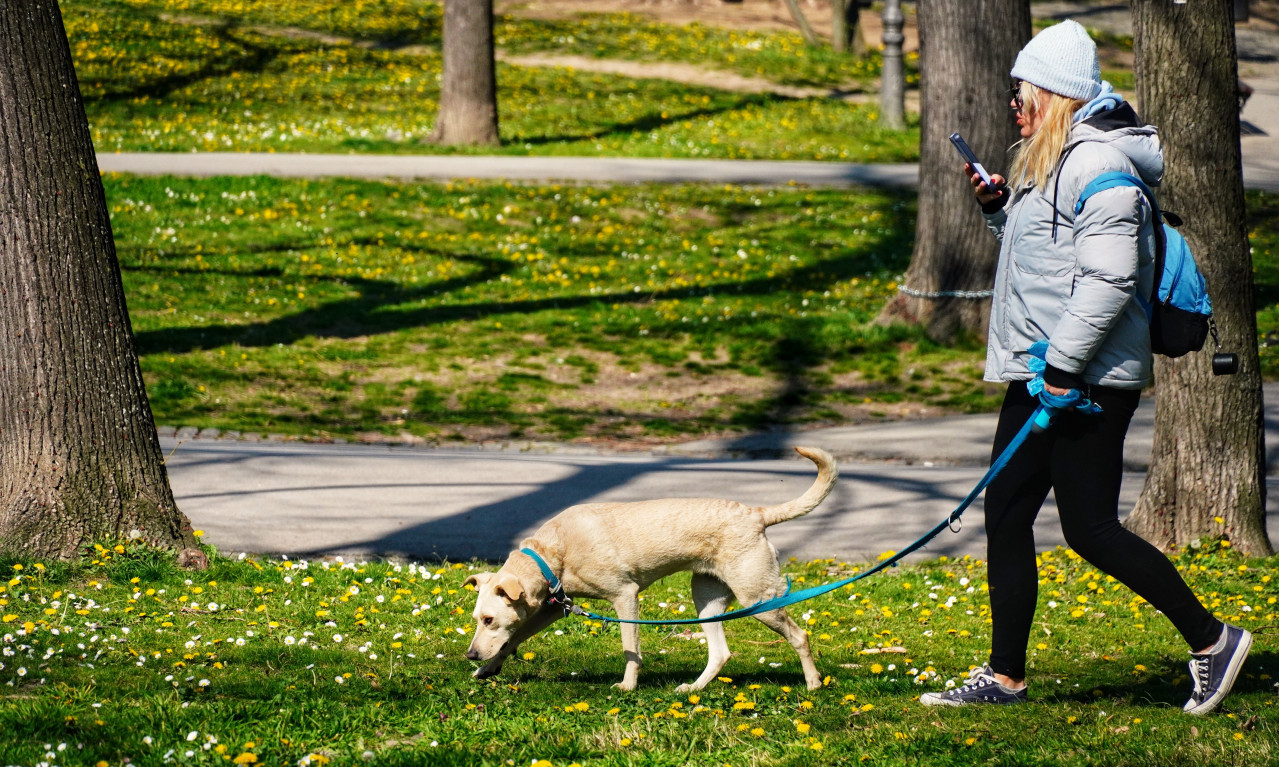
(805, 29)
(1208, 460)
(79, 456)
(845, 29)
(468, 91)
(967, 48)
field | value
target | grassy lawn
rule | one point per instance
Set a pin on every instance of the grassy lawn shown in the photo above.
(122, 658)
(340, 308)
(154, 84)
(640, 314)
(775, 55)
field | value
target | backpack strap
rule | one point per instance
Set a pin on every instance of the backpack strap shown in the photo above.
(1117, 178)
(1061, 165)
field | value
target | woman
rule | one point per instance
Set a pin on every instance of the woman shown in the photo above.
(1072, 281)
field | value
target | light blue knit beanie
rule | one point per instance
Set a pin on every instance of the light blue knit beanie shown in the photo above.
(1061, 59)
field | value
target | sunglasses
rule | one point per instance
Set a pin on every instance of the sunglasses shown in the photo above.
(1015, 92)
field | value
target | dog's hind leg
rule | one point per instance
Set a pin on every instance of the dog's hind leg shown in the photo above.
(780, 621)
(711, 596)
(757, 577)
(627, 607)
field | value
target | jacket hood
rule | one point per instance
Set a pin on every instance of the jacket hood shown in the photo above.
(1122, 129)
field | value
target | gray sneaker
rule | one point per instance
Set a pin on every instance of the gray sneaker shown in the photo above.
(981, 687)
(1214, 673)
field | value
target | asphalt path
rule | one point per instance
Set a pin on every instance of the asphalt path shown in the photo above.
(1261, 171)
(897, 480)
(325, 500)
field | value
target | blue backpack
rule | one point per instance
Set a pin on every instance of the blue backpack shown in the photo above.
(1179, 310)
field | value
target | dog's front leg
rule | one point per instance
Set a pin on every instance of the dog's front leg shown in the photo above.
(545, 616)
(627, 607)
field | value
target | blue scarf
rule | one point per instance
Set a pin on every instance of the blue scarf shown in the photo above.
(1107, 99)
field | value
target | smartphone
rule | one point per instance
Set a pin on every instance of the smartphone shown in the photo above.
(971, 159)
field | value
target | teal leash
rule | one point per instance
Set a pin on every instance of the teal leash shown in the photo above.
(559, 598)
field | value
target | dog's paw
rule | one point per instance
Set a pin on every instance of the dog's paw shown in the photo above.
(691, 687)
(625, 686)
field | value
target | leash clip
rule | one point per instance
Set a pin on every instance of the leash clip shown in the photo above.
(956, 524)
(562, 600)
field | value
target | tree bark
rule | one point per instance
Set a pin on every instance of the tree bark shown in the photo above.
(79, 457)
(468, 90)
(1208, 459)
(967, 48)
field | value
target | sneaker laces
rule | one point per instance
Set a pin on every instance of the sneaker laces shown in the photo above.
(1200, 669)
(980, 677)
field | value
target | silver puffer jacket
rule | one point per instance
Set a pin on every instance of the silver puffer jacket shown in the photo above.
(1073, 280)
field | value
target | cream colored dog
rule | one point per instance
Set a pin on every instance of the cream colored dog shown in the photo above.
(614, 551)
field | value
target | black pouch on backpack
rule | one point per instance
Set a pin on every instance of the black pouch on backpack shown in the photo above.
(1176, 332)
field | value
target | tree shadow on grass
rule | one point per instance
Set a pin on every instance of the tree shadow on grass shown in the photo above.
(381, 307)
(651, 122)
(253, 61)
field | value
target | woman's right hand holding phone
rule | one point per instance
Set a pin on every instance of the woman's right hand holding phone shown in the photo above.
(985, 194)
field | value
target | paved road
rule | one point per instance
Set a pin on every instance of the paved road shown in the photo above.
(897, 481)
(1259, 173)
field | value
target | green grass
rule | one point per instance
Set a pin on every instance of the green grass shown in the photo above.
(151, 84)
(489, 310)
(779, 56)
(343, 308)
(121, 657)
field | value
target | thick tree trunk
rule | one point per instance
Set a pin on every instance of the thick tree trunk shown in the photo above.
(1208, 459)
(967, 48)
(468, 91)
(79, 456)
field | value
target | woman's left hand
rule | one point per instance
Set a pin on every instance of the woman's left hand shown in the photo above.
(1056, 391)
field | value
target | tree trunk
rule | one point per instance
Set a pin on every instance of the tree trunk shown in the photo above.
(468, 91)
(967, 48)
(1208, 458)
(805, 29)
(79, 457)
(845, 27)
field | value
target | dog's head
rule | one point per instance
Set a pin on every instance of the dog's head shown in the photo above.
(500, 609)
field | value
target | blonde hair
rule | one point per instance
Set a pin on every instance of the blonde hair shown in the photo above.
(1035, 158)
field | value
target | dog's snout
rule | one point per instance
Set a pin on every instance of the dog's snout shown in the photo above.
(472, 654)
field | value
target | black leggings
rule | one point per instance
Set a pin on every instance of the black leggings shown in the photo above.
(1081, 459)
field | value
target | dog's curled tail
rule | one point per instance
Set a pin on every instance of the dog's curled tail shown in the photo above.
(827, 473)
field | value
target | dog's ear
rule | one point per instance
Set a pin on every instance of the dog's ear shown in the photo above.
(508, 587)
(477, 580)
